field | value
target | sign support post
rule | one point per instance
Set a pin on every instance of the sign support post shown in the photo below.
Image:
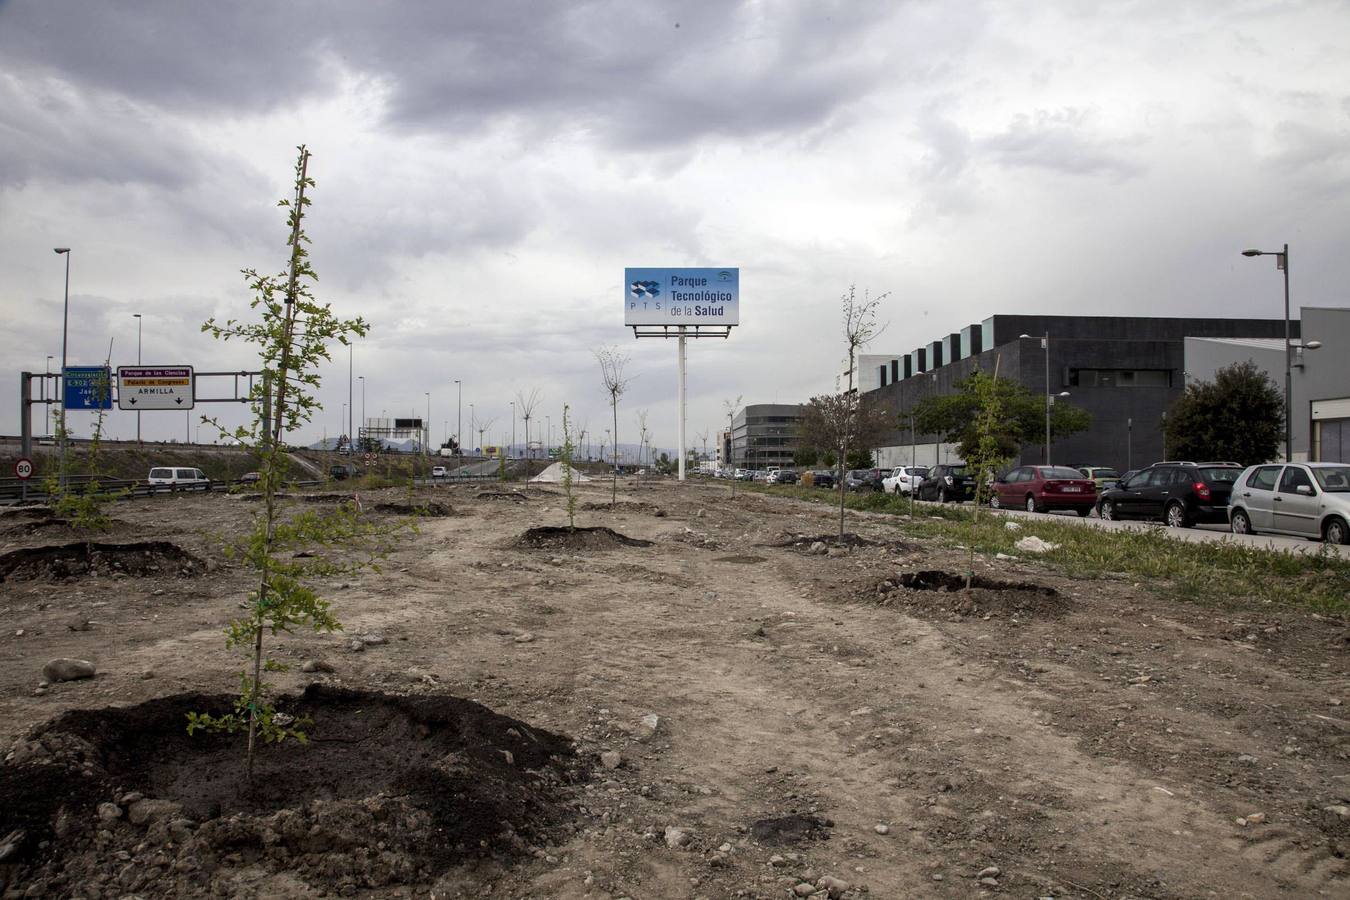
(680, 432)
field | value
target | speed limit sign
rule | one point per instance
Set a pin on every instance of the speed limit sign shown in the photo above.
(23, 469)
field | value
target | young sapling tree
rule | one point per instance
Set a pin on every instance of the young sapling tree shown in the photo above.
(612, 364)
(292, 337)
(568, 451)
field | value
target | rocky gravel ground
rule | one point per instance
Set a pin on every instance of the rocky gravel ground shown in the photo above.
(763, 712)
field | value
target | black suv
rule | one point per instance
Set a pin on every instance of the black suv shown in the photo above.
(1182, 494)
(949, 481)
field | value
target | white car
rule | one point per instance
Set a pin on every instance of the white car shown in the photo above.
(903, 479)
(177, 477)
(439, 472)
(1309, 500)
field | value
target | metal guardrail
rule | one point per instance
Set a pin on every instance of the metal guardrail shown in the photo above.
(12, 489)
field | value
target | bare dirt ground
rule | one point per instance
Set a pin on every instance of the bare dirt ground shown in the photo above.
(815, 717)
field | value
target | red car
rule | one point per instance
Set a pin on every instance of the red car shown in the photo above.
(1043, 488)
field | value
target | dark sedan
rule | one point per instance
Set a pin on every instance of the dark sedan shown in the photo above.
(1180, 493)
(863, 480)
(822, 478)
(947, 482)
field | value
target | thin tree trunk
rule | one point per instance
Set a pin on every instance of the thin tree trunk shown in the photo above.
(614, 483)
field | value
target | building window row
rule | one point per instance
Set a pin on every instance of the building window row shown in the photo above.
(1114, 378)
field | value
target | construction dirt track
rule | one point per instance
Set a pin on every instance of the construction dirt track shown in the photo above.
(818, 719)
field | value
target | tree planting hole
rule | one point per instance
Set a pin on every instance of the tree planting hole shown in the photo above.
(791, 829)
(560, 537)
(741, 560)
(146, 558)
(435, 780)
(936, 580)
(431, 510)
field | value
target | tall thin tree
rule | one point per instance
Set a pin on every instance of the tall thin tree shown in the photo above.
(731, 406)
(612, 364)
(527, 404)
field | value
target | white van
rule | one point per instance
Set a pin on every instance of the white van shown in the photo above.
(190, 479)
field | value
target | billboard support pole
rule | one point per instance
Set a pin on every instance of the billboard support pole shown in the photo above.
(680, 435)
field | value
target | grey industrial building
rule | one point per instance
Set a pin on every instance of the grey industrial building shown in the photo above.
(763, 435)
(1126, 371)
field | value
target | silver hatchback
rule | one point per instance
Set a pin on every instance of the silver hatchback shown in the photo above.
(1309, 500)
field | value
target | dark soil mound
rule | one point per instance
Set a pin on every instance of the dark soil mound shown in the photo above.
(793, 829)
(92, 558)
(558, 537)
(935, 591)
(741, 560)
(388, 790)
(27, 512)
(432, 510)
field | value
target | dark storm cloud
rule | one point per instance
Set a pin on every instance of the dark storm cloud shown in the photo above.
(641, 75)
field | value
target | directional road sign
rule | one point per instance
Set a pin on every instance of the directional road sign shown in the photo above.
(23, 469)
(86, 387)
(155, 387)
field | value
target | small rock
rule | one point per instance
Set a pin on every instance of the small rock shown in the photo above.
(68, 670)
(316, 665)
(718, 860)
(109, 812)
(1338, 810)
(804, 889)
(725, 848)
(143, 812)
(1247, 760)
(989, 872)
(373, 640)
(39, 691)
(676, 837)
(1012, 526)
(648, 726)
(611, 759)
(1005, 556)
(1033, 544)
(282, 720)
(148, 675)
(835, 886)
(881, 829)
(989, 882)
(819, 548)
(356, 646)
(1255, 818)
(524, 638)
(777, 861)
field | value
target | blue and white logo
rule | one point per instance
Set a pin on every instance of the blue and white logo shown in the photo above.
(645, 289)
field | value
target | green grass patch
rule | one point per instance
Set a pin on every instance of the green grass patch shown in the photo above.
(1214, 572)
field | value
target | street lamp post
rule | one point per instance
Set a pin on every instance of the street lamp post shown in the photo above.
(459, 419)
(362, 379)
(471, 421)
(45, 388)
(426, 430)
(513, 428)
(351, 404)
(1282, 262)
(65, 332)
(137, 317)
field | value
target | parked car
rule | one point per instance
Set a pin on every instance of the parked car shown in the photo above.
(903, 479)
(822, 478)
(1103, 476)
(341, 472)
(1045, 488)
(1180, 493)
(250, 478)
(784, 476)
(440, 472)
(1309, 500)
(179, 477)
(949, 481)
(863, 480)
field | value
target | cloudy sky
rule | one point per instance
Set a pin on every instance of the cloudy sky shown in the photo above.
(485, 171)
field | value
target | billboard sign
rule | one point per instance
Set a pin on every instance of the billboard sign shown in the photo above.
(86, 387)
(155, 387)
(654, 296)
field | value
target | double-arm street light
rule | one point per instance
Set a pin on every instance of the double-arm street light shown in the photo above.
(459, 420)
(1282, 262)
(1049, 397)
(46, 390)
